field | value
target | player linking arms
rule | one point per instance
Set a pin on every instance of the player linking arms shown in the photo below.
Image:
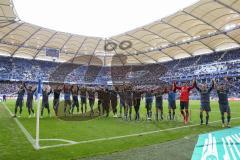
(67, 99)
(45, 103)
(91, 99)
(148, 101)
(128, 104)
(205, 100)
(171, 101)
(56, 98)
(83, 95)
(19, 101)
(114, 100)
(74, 91)
(222, 91)
(159, 102)
(184, 99)
(29, 104)
(137, 95)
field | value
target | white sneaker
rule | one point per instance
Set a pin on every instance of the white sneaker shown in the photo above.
(223, 125)
(115, 116)
(19, 116)
(228, 125)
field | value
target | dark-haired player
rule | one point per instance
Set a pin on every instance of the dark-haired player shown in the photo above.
(19, 101)
(45, 103)
(91, 99)
(114, 99)
(159, 103)
(184, 99)
(100, 100)
(128, 105)
(171, 102)
(205, 100)
(222, 91)
(4, 98)
(137, 95)
(67, 99)
(83, 94)
(30, 92)
(56, 98)
(122, 98)
(149, 100)
(74, 91)
(106, 101)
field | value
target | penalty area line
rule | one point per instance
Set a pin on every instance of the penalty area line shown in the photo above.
(130, 135)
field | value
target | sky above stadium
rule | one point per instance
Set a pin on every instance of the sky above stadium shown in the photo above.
(100, 18)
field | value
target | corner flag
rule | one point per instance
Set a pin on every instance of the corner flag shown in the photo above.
(39, 89)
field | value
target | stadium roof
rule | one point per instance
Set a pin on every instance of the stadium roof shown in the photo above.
(201, 28)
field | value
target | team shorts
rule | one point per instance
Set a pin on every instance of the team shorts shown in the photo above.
(183, 105)
(171, 104)
(83, 100)
(224, 108)
(205, 106)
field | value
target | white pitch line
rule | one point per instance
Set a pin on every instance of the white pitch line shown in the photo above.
(63, 140)
(26, 133)
(130, 135)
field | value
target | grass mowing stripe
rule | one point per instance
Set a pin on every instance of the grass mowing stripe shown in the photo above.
(131, 135)
(22, 128)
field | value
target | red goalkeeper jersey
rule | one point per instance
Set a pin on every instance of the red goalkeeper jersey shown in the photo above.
(185, 92)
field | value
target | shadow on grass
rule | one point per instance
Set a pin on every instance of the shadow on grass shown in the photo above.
(76, 116)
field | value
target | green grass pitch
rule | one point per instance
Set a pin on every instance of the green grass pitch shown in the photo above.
(93, 132)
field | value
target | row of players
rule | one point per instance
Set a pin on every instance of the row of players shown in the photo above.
(129, 96)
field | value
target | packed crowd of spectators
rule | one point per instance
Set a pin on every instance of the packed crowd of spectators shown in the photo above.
(204, 67)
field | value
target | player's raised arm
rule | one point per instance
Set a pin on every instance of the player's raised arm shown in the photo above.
(212, 86)
(226, 84)
(196, 85)
(35, 89)
(175, 86)
(193, 85)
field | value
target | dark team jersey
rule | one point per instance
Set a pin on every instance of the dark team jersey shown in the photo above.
(205, 94)
(158, 97)
(100, 94)
(223, 97)
(128, 95)
(171, 96)
(106, 96)
(45, 95)
(83, 93)
(113, 95)
(137, 95)
(30, 94)
(91, 94)
(20, 94)
(56, 93)
(148, 97)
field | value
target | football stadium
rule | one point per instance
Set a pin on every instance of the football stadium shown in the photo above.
(164, 89)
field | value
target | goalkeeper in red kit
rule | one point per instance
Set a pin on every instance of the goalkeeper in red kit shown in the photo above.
(184, 99)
